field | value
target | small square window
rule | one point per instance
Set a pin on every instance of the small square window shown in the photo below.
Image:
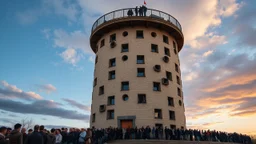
(140, 59)
(102, 43)
(95, 82)
(142, 99)
(156, 86)
(154, 48)
(157, 125)
(125, 86)
(178, 79)
(170, 101)
(111, 75)
(174, 45)
(139, 34)
(140, 72)
(172, 115)
(165, 39)
(96, 59)
(166, 51)
(158, 114)
(125, 48)
(179, 91)
(93, 117)
(110, 114)
(173, 126)
(176, 68)
(112, 38)
(169, 75)
(101, 90)
(111, 100)
(112, 62)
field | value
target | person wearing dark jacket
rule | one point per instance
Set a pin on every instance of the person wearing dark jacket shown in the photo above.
(23, 131)
(136, 11)
(52, 137)
(16, 136)
(45, 136)
(3, 131)
(35, 137)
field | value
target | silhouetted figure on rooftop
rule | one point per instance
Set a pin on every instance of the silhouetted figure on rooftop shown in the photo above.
(136, 11)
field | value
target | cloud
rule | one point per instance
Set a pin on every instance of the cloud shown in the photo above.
(41, 107)
(11, 91)
(76, 104)
(64, 8)
(71, 56)
(48, 88)
(46, 32)
(92, 59)
(57, 126)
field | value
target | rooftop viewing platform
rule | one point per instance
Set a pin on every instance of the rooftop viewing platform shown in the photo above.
(132, 17)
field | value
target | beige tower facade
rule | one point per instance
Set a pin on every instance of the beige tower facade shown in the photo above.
(137, 77)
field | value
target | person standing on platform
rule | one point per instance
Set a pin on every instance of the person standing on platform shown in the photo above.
(136, 11)
(16, 136)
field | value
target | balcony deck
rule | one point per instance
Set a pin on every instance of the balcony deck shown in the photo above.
(119, 19)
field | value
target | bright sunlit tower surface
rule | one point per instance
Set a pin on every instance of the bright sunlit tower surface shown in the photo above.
(137, 77)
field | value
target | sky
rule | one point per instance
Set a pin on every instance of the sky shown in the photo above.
(46, 63)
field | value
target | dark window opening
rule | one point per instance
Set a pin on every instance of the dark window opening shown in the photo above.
(125, 58)
(173, 126)
(157, 125)
(112, 38)
(125, 48)
(172, 115)
(180, 102)
(125, 33)
(140, 59)
(165, 39)
(169, 75)
(110, 114)
(93, 117)
(158, 114)
(156, 86)
(178, 79)
(111, 75)
(102, 43)
(142, 99)
(153, 34)
(95, 82)
(111, 100)
(176, 68)
(125, 86)
(179, 92)
(125, 97)
(102, 108)
(112, 62)
(101, 90)
(166, 51)
(140, 72)
(139, 34)
(154, 48)
(170, 101)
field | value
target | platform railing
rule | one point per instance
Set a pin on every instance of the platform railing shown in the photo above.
(122, 13)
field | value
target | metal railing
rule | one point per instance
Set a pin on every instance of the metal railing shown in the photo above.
(122, 13)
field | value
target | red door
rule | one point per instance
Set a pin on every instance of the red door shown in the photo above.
(126, 124)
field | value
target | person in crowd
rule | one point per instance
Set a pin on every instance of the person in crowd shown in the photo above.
(30, 131)
(136, 11)
(16, 136)
(82, 136)
(58, 136)
(130, 12)
(144, 10)
(3, 131)
(44, 134)
(52, 137)
(35, 137)
(140, 11)
(23, 131)
(64, 135)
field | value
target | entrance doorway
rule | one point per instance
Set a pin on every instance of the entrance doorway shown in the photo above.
(127, 124)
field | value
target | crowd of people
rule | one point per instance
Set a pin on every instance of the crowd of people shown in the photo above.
(100, 136)
(139, 11)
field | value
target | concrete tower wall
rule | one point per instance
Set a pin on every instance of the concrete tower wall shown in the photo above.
(142, 114)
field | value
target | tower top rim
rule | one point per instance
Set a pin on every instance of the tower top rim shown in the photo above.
(123, 13)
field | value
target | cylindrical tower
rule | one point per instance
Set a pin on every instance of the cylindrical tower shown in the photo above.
(137, 77)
